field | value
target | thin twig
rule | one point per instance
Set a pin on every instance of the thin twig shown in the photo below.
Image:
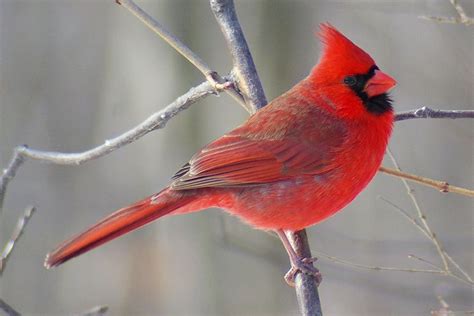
(441, 186)
(155, 121)
(427, 112)
(212, 76)
(17, 233)
(424, 261)
(421, 215)
(429, 234)
(242, 61)
(455, 264)
(371, 267)
(462, 18)
(439, 270)
(445, 310)
(95, 311)
(406, 215)
(9, 173)
(7, 309)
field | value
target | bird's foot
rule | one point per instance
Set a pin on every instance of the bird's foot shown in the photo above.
(304, 265)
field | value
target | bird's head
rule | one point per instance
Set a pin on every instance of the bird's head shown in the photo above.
(349, 77)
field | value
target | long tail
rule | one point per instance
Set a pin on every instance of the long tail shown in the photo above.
(117, 224)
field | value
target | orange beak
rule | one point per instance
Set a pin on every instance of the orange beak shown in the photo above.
(379, 83)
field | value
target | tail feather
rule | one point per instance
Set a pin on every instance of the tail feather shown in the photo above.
(118, 223)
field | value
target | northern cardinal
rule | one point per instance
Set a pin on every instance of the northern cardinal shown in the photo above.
(292, 164)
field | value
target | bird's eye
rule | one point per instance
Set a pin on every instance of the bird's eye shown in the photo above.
(350, 81)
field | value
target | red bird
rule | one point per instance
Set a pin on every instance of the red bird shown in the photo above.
(292, 164)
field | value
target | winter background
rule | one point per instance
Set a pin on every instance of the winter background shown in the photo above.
(76, 72)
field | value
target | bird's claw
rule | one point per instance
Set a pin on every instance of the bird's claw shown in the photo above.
(305, 266)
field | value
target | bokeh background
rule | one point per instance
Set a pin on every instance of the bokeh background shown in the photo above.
(76, 72)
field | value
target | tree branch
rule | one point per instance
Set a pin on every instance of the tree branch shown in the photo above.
(17, 232)
(426, 229)
(421, 216)
(462, 18)
(224, 11)
(9, 311)
(305, 285)
(212, 76)
(441, 186)
(427, 112)
(155, 121)
(372, 267)
(95, 311)
(244, 67)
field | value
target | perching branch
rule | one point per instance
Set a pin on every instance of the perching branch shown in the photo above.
(19, 230)
(462, 17)
(305, 285)
(247, 77)
(441, 186)
(427, 112)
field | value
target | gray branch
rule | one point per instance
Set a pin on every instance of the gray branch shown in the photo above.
(212, 76)
(462, 17)
(426, 112)
(305, 285)
(244, 67)
(155, 121)
(7, 309)
(95, 311)
(17, 233)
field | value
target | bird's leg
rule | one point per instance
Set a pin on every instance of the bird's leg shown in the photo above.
(298, 264)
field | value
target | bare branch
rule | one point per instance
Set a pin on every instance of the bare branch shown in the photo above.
(406, 215)
(9, 311)
(424, 261)
(425, 228)
(212, 76)
(305, 285)
(371, 267)
(244, 67)
(19, 230)
(455, 264)
(438, 270)
(442, 186)
(95, 311)
(426, 112)
(421, 215)
(461, 19)
(155, 121)
(249, 83)
(9, 173)
(445, 310)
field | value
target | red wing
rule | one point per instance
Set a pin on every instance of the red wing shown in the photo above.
(236, 160)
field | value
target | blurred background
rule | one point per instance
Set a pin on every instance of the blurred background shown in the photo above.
(76, 72)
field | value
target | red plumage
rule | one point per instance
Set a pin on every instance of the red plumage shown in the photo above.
(294, 163)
